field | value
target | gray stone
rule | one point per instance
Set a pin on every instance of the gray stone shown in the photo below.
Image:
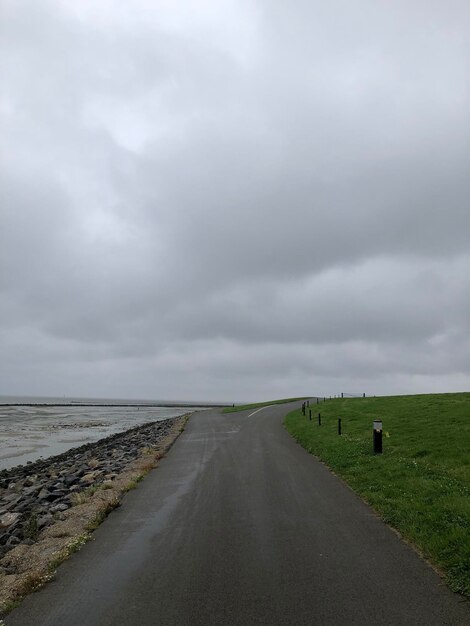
(58, 507)
(13, 541)
(8, 519)
(44, 520)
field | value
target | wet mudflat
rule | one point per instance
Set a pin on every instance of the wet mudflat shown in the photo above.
(28, 433)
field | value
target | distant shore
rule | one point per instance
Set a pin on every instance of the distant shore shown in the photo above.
(137, 404)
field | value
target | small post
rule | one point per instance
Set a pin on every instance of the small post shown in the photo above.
(339, 426)
(342, 394)
(377, 436)
(318, 400)
(324, 399)
(308, 402)
(363, 395)
(319, 419)
(303, 408)
(310, 414)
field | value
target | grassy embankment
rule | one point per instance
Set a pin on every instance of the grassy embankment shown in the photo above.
(420, 485)
(257, 405)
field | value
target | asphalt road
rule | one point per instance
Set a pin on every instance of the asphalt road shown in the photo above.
(239, 525)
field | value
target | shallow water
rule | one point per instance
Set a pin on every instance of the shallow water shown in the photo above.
(28, 433)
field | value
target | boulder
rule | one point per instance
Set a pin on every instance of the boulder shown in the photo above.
(7, 519)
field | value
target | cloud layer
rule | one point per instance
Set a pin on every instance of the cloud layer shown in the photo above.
(234, 200)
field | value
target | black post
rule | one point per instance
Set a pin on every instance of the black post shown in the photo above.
(310, 414)
(319, 419)
(308, 402)
(324, 399)
(377, 437)
(363, 395)
(318, 400)
(339, 426)
(342, 394)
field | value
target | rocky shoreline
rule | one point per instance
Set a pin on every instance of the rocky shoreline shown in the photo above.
(32, 496)
(48, 508)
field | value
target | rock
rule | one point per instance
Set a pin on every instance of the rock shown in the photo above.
(24, 506)
(30, 480)
(46, 486)
(44, 520)
(88, 478)
(13, 541)
(11, 497)
(70, 480)
(54, 495)
(58, 507)
(29, 491)
(7, 519)
(42, 495)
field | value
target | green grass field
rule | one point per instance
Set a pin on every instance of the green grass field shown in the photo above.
(420, 485)
(244, 407)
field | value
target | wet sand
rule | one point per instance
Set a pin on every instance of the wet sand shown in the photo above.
(28, 433)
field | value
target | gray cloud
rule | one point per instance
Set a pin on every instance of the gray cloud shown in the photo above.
(234, 200)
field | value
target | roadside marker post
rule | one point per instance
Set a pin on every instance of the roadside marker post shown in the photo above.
(377, 437)
(339, 426)
(319, 419)
(310, 414)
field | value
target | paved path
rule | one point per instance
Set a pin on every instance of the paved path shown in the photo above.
(239, 525)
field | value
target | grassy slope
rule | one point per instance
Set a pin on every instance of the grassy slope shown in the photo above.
(421, 483)
(244, 407)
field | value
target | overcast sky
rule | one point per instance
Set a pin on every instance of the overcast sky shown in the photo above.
(234, 200)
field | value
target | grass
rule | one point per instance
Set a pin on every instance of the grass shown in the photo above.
(32, 528)
(132, 484)
(80, 497)
(74, 546)
(420, 485)
(102, 514)
(244, 407)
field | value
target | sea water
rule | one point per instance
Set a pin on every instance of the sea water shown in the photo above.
(44, 428)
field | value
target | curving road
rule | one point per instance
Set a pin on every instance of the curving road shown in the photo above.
(239, 525)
